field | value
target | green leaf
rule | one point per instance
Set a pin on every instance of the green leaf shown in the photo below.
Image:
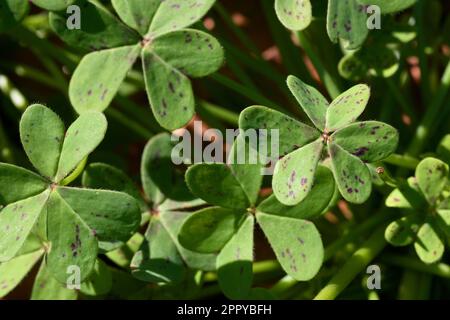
(99, 282)
(402, 232)
(169, 92)
(15, 270)
(12, 12)
(42, 134)
(137, 14)
(123, 255)
(17, 183)
(443, 222)
(16, 222)
(112, 216)
(99, 29)
(185, 50)
(407, 196)
(432, 177)
(293, 177)
(310, 99)
(234, 263)
(295, 15)
(208, 230)
(109, 67)
(347, 20)
(46, 287)
(346, 108)
(175, 15)
(53, 5)
(158, 259)
(351, 174)
(370, 141)
(292, 134)
(216, 184)
(72, 241)
(313, 205)
(82, 137)
(389, 6)
(173, 221)
(428, 245)
(159, 174)
(296, 243)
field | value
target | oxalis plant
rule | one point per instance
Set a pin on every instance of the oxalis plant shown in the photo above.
(42, 216)
(350, 145)
(156, 31)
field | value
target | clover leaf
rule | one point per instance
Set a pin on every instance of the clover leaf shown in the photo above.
(294, 14)
(12, 12)
(227, 225)
(53, 5)
(427, 222)
(349, 145)
(167, 203)
(389, 6)
(75, 222)
(156, 31)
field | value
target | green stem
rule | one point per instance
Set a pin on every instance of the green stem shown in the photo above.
(327, 79)
(403, 161)
(409, 286)
(355, 265)
(421, 37)
(131, 124)
(400, 98)
(439, 269)
(222, 113)
(75, 174)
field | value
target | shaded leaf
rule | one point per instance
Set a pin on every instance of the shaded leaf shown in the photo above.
(351, 174)
(46, 287)
(296, 243)
(444, 149)
(432, 178)
(99, 282)
(428, 245)
(294, 174)
(406, 196)
(402, 232)
(12, 12)
(208, 230)
(123, 255)
(53, 5)
(443, 222)
(294, 14)
(137, 14)
(110, 68)
(42, 135)
(389, 6)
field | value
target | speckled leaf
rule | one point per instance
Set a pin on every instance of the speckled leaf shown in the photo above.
(389, 6)
(208, 230)
(292, 134)
(172, 221)
(158, 259)
(370, 141)
(296, 243)
(112, 216)
(428, 245)
(185, 50)
(295, 15)
(16, 222)
(313, 205)
(159, 174)
(432, 177)
(351, 175)
(54, 5)
(293, 177)
(216, 184)
(82, 137)
(136, 13)
(402, 232)
(407, 196)
(98, 77)
(234, 263)
(311, 100)
(346, 108)
(99, 282)
(72, 241)
(169, 92)
(347, 20)
(17, 183)
(175, 15)
(104, 176)
(13, 271)
(46, 287)
(42, 134)
(12, 12)
(99, 29)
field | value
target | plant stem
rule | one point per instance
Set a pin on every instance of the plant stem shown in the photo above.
(356, 264)
(419, 13)
(403, 161)
(395, 92)
(222, 113)
(409, 286)
(131, 124)
(330, 84)
(439, 269)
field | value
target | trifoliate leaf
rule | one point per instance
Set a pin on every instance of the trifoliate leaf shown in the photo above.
(295, 15)
(42, 135)
(428, 245)
(296, 243)
(137, 14)
(234, 263)
(46, 287)
(402, 232)
(432, 177)
(294, 174)
(351, 174)
(208, 230)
